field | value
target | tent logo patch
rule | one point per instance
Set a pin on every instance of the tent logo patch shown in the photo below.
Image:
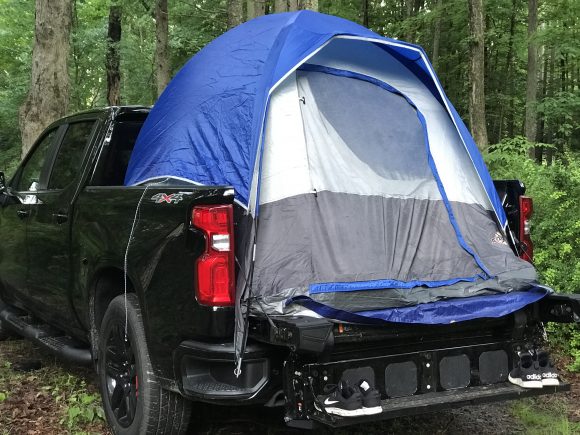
(173, 198)
(499, 239)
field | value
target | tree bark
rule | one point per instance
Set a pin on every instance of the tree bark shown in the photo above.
(409, 5)
(437, 34)
(280, 6)
(48, 96)
(255, 8)
(365, 12)
(162, 63)
(293, 5)
(259, 7)
(310, 5)
(113, 58)
(550, 93)
(532, 75)
(235, 13)
(250, 11)
(476, 74)
(507, 72)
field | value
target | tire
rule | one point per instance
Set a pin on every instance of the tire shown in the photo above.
(133, 399)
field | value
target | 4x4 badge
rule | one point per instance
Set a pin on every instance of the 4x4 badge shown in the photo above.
(173, 198)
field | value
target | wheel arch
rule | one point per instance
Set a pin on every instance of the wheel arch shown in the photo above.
(107, 283)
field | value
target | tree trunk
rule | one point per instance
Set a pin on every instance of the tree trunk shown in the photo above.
(235, 13)
(409, 5)
(256, 8)
(293, 5)
(259, 7)
(541, 125)
(437, 34)
(162, 66)
(113, 60)
(550, 93)
(476, 74)
(48, 96)
(310, 5)
(250, 10)
(532, 75)
(508, 66)
(365, 12)
(280, 6)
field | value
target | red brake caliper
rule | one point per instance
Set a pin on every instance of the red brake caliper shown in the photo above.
(136, 386)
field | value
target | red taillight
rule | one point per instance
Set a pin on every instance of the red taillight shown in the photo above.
(526, 211)
(215, 267)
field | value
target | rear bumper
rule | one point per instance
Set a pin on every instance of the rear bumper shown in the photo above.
(427, 379)
(206, 373)
(434, 402)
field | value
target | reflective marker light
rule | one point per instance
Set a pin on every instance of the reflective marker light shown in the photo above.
(215, 267)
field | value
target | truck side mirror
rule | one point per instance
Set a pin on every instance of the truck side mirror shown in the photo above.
(2, 182)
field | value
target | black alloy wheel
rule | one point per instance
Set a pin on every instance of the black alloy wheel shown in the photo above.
(134, 401)
(121, 376)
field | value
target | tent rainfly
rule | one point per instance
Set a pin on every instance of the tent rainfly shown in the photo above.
(373, 201)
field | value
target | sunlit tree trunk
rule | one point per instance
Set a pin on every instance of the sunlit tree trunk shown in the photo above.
(113, 58)
(532, 75)
(476, 74)
(48, 96)
(293, 5)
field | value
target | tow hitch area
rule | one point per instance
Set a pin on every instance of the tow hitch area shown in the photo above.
(408, 383)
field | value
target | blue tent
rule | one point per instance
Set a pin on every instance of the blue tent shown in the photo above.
(217, 102)
(373, 199)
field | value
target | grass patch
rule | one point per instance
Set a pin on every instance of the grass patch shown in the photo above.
(546, 416)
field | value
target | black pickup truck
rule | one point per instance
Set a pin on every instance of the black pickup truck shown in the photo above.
(105, 274)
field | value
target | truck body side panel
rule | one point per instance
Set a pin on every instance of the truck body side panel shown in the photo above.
(160, 261)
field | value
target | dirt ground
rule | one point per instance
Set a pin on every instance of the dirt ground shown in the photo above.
(40, 395)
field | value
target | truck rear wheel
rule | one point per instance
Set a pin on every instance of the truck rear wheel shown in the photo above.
(133, 399)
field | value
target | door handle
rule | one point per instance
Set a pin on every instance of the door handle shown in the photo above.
(23, 214)
(60, 217)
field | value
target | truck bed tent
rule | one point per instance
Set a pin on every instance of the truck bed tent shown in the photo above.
(361, 188)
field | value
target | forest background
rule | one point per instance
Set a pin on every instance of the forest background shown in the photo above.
(510, 67)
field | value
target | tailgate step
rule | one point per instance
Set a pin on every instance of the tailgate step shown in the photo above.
(437, 401)
(45, 336)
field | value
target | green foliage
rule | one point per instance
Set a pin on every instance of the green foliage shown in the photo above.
(81, 407)
(16, 36)
(555, 190)
(74, 399)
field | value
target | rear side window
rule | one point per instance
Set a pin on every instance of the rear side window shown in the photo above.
(116, 155)
(30, 177)
(70, 154)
